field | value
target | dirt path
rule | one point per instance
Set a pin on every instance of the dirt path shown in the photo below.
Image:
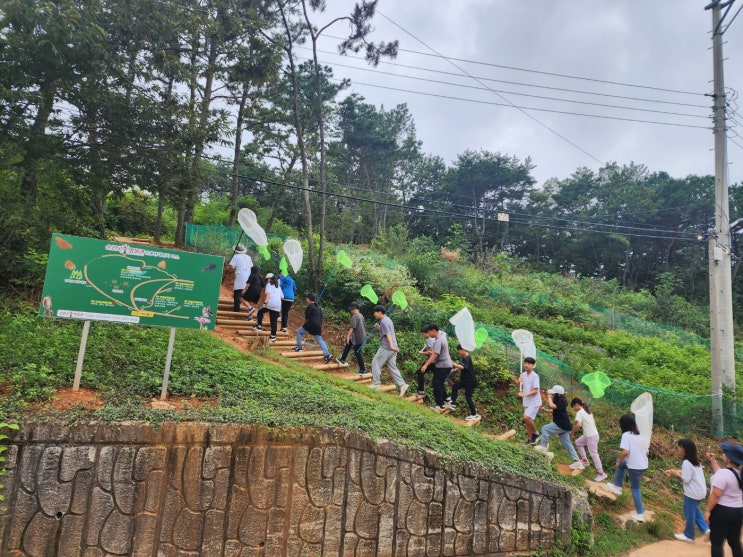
(674, 548)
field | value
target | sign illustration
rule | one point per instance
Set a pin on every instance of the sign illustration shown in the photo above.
(101, 280)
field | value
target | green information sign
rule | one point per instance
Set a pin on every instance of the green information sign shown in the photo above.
(98, 280)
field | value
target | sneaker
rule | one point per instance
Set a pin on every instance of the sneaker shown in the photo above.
(540, 448)
(361, 372)
(637, 517)
(403, 389)
(257, 328)
(535, 439)
(450, 405)
(614, 489)
(601, 477)
(421, 393)
(375, 387)
(577, 465)
(327, 358)
(340, 361)
(585, 461)
(438, 408)
(472, 417)
(682, 538)
(271, 339)
(283, 329)
(250, 313)
(705, 536)
(297, 349)
(447, 399)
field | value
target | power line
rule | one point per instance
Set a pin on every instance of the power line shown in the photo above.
(525, 108)
(376, 71)
(522, 110)
(519, 83)
(539, 72)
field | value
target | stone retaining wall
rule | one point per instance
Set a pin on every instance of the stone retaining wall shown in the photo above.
(190, 489)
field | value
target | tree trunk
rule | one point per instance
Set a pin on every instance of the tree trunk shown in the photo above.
(315, 273)
(236, 156)
(35, 146)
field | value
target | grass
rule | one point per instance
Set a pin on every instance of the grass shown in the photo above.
(124, 366)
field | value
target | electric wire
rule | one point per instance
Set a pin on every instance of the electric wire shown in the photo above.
(508, 82)
(523, 109)
(520, 109)
(527, 70)
(472, 212)
(517, 93)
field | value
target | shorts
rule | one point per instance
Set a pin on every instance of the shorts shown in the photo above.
(531, 411)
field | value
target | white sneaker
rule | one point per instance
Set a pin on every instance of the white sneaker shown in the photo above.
(540, 448)
(705, 536)
(638, 517)
(601, 477)
(473, 417)
(611, 487)
(682, 538)
(577, 465)
(376, 387)
(403, 389)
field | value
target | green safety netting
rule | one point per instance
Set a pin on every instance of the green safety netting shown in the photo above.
(687, 413)
(218, 239)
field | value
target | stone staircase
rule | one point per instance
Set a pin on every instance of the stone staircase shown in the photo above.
(243, 327)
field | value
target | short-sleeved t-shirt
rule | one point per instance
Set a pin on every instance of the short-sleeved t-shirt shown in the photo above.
(441, 347)
(273, 295)
(560, 414)
(638, 458)
(242, 263)
(587, 422)
(727, 481)
(693, 478)
(359, 328)
(467, 375)
(529, 382)
(387, 327)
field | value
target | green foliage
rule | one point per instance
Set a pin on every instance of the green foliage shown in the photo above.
(391, 241)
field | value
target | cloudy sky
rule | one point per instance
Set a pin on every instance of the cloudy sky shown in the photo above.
(461, 61)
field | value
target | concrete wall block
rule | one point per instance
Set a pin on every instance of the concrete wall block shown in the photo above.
(208, 490)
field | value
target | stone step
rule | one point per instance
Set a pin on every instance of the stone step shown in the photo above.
(302, 354)
(417, 399)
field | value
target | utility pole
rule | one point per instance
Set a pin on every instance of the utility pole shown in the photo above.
(720, 281)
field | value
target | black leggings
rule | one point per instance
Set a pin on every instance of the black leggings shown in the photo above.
(469, 388)
(237, 299)
(273, 317)
(439, 384)
(357, 352)
(285, 305)
(724, 525)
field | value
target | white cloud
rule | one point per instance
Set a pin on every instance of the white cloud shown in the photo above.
(664, 44)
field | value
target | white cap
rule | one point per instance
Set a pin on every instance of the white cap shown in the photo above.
(557, 390)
